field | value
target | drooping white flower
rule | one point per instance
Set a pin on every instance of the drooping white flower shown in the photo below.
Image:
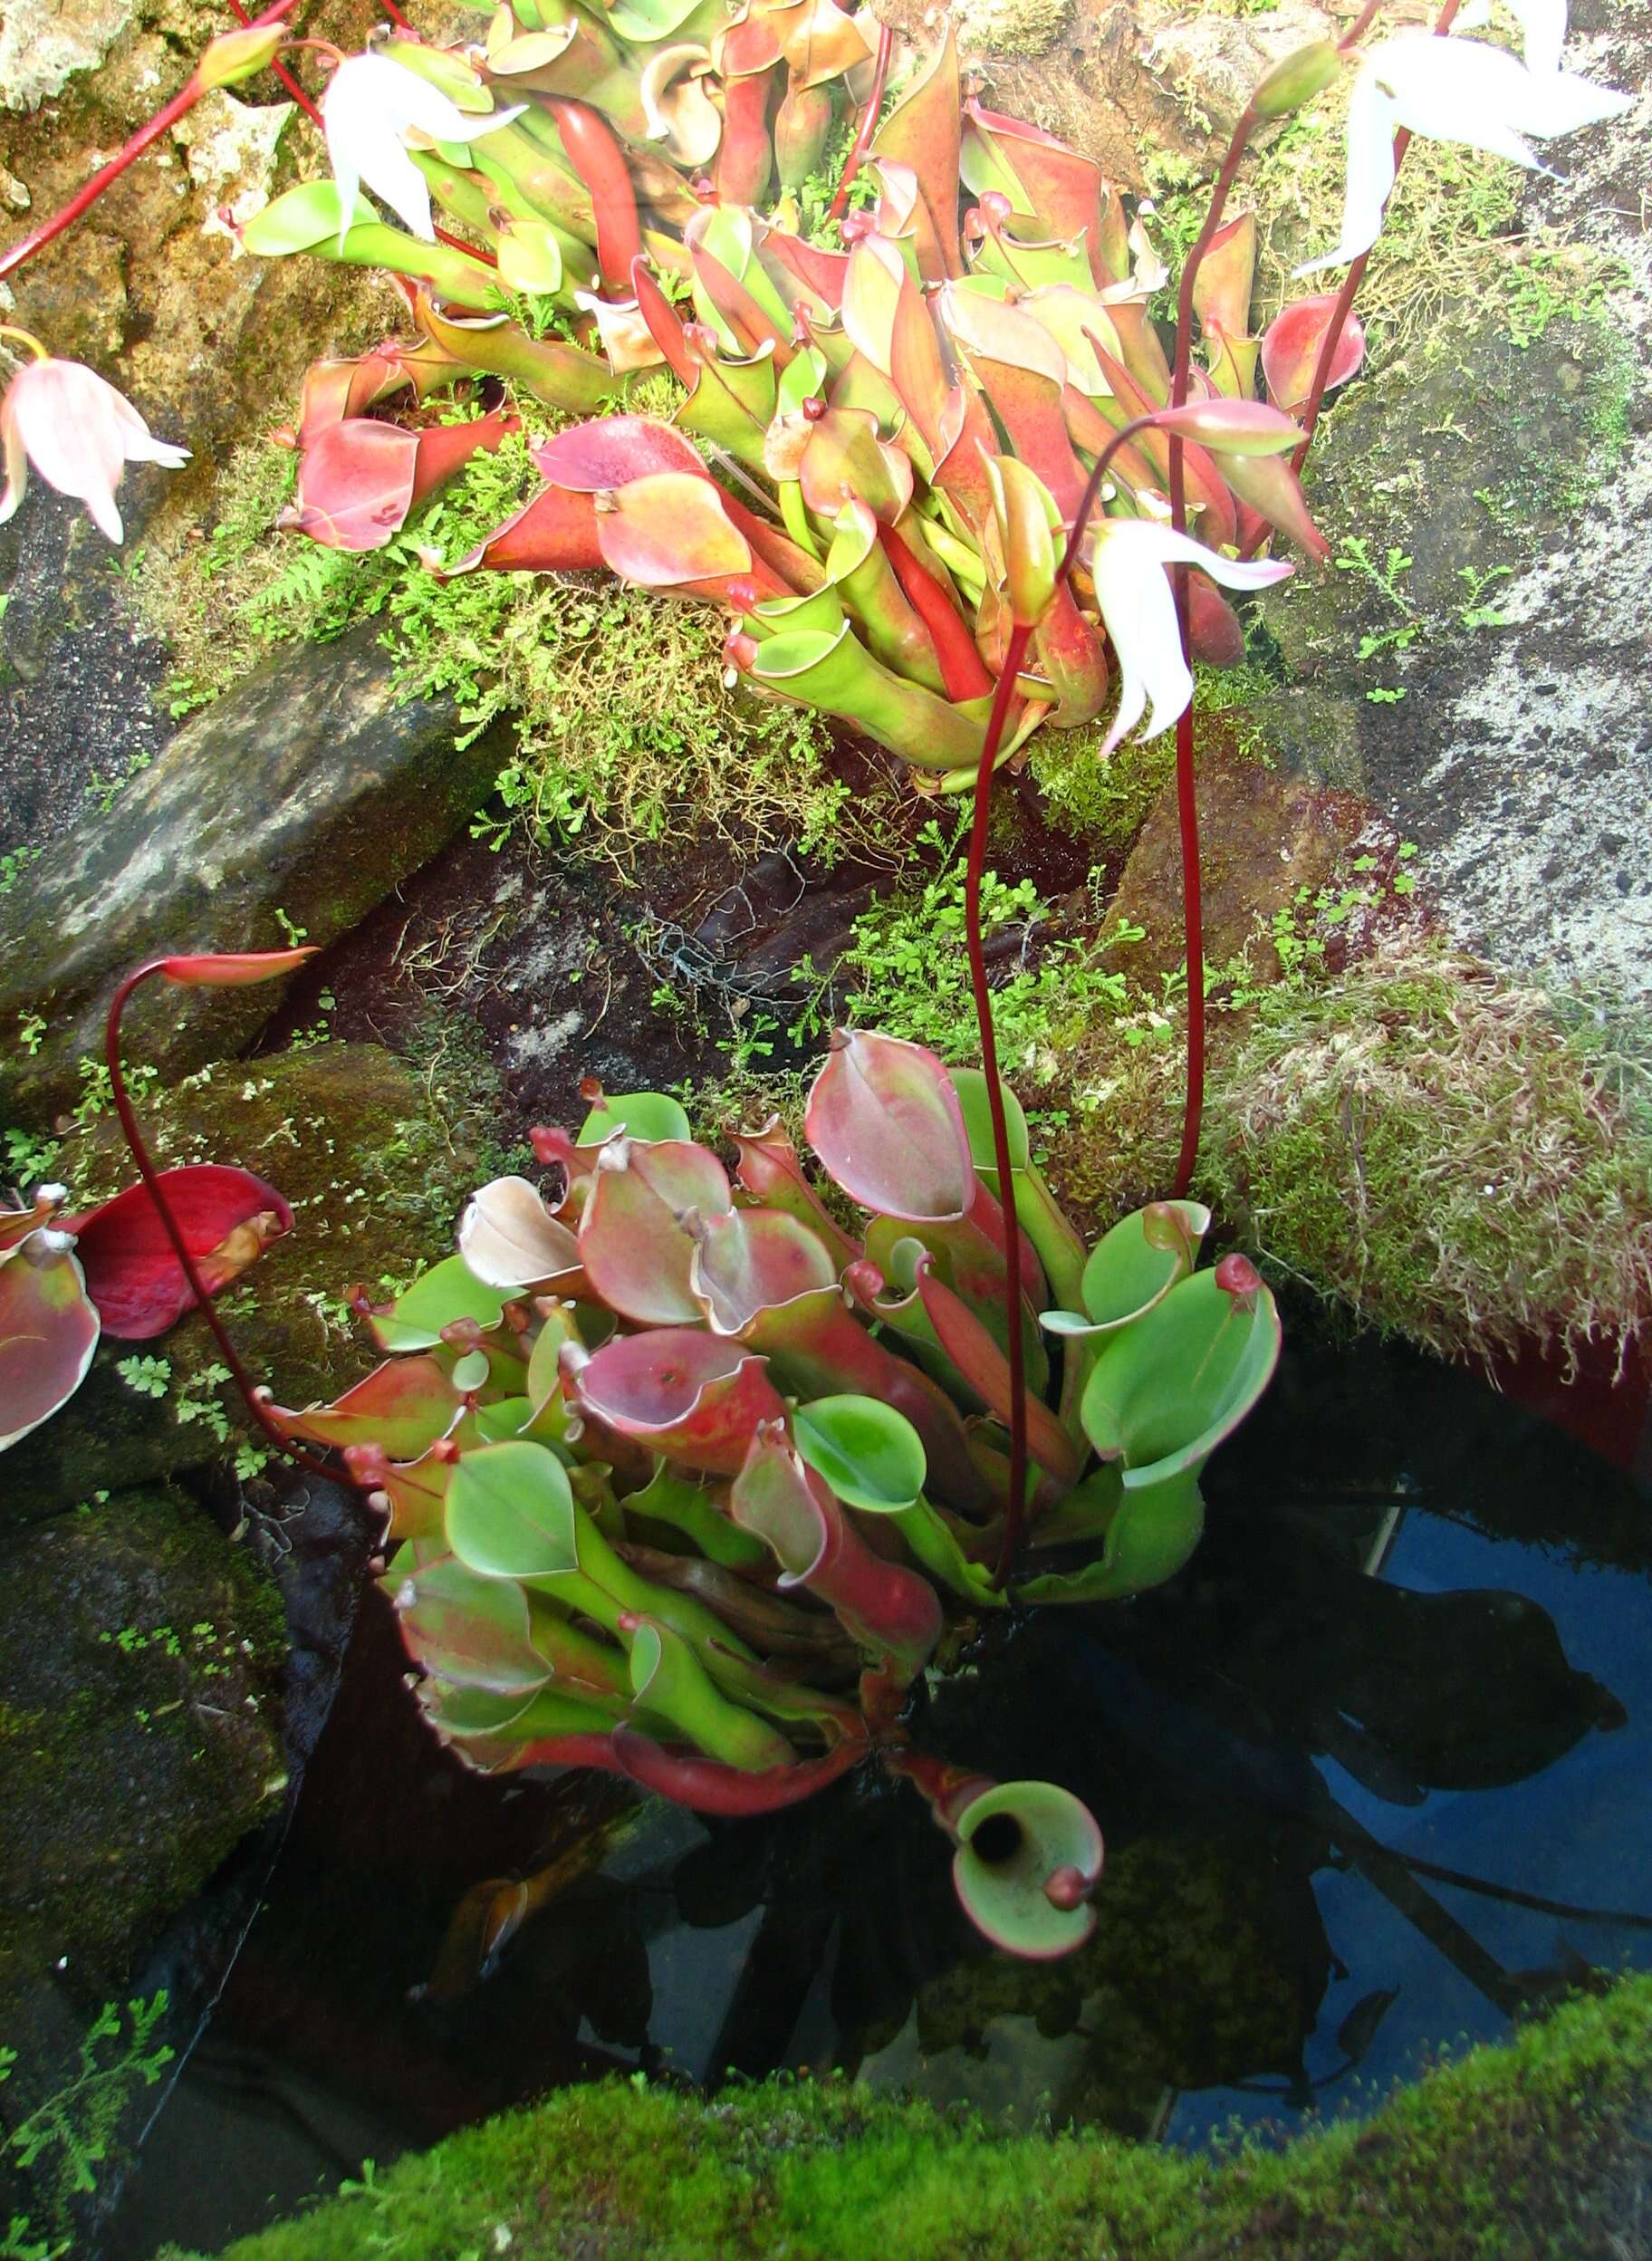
(79, 433)
(1128, 557)
(1461, 90)
(370, 104)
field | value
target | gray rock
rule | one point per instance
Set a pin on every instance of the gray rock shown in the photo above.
(44, 43)
(1493, 699)
(309, 792)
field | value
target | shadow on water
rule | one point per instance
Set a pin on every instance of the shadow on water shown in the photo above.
(1368, 1772)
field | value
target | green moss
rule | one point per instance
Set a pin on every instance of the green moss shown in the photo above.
(1108, 801)
(905, 969)
(624, 722)
(1011, 27)
(141, 1735)
(1423, 1141)
(1509, 2154)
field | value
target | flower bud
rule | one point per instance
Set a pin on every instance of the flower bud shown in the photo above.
(1237, 1276)
(1297, 80)
(233, 56)
(1238, 427)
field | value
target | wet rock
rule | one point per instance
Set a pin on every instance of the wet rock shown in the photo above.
(311, 793)
(376, 1163)
(139, 1727)
(1264, 835)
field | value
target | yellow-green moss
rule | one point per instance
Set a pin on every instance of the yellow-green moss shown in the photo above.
(1011, 27)
(626, 732)
(1424, 1141)
(1510, 2154)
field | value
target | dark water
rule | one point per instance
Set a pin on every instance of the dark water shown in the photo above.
(1416, 1641)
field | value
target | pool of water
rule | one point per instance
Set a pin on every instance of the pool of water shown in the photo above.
(1370, 1771)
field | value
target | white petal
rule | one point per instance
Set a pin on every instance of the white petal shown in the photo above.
(1139, 613)
(1564, 103)
(393, 178)
(1543, 24)
(1147, 545)
(1371, 121)
(16, 464)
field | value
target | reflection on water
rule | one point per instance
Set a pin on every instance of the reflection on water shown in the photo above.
(1369, 1772)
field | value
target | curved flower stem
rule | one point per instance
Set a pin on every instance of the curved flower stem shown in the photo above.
(181, 103)
(180, 1247)
(1186, 803)
(868, 126)
(1357, 29)
(1004, 691)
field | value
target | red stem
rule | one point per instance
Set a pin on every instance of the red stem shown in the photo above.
(868, 126)
(1186, 803)
(1357, 29)
(282, 74)
(181, 103)
(180, 1247)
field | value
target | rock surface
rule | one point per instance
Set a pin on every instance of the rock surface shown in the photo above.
(1265, 835)
(309, 793)
(139, 1733)
(1492, 697)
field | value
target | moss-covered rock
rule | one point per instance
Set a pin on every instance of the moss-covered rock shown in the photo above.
(139, 1727)
(1265, 835)
(375, 1163)
(1533, 2149)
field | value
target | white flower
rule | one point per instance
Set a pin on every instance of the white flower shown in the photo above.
(371, 104)
(79, 433)
(1127, 560)
(1456, 90)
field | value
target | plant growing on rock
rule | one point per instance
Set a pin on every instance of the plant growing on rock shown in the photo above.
(134, 1266)
(683, 1473)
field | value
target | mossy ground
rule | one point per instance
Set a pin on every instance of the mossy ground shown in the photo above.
(1427, 1141)
(627, 733)
(1534, 2149)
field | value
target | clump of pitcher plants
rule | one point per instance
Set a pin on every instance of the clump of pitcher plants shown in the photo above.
(683, 1472)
